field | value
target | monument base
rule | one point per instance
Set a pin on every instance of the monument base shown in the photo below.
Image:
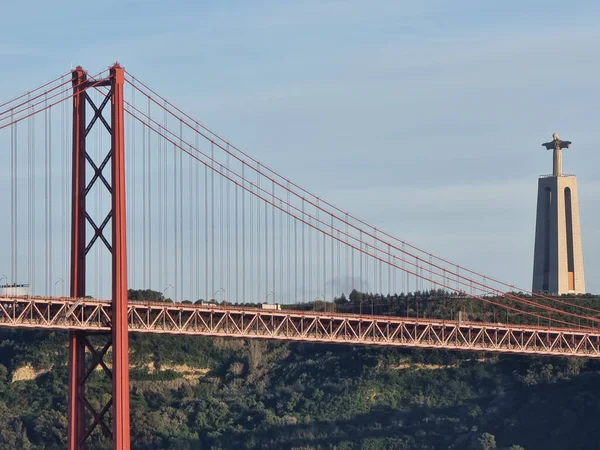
(558, 256)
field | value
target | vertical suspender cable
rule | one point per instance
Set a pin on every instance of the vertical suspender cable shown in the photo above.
(13, 197)
(206, 289)
(129, 154)
(192, 202)
(180, 297)
(457, 278)
(243, 233)
(63, 166)
(362, 288)
(251, 236)
(150, 219)
(228, 206)
(212, 216)
(31, 196)
(197, 227)
(98, 200)
(407, 275)
(390, 271)
(325, 266)
(265, 231)
(434, 286)
(175, 234)
(303, 247)
(258, 231)
(32, 213)
(347, 263)
(46, 206)
(273, 239)
(310, 261)
(221, 232)
(104, 256)
(370, 284)
(67, 196)
(145, 218)
(318, 251)
(376, 289)
(49, 220)
(237, 259)
(280, 229)
(333, 291)
(266, 246)
(165, 196)
(296, 261)
(339, 264)
(289, 253)
(132, 212)
(394, 276)
(324, 238)
(128, 124)
(161, 213)
(354, 283)
(381, 277)
(341, 276)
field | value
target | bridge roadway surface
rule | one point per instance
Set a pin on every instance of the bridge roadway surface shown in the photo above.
(300, 326)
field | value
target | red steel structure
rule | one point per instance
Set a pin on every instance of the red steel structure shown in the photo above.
(79, 427)
(95, 327)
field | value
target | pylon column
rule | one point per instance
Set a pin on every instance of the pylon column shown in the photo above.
(83, 417)
(76, 412)
(120, 339)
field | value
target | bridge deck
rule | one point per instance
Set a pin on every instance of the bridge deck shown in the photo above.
(293, 325)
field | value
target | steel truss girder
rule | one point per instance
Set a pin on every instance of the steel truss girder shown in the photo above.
(239, 322)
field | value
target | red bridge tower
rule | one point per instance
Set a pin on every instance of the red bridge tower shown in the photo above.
(83, 417)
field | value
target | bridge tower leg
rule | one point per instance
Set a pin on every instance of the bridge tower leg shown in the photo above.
(120, 338)
(113, 417)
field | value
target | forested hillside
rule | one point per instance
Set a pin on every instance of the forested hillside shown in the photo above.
(200, 393)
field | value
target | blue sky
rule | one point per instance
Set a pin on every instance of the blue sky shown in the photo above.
(423, 118)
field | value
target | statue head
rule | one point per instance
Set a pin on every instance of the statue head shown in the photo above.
(556, 137)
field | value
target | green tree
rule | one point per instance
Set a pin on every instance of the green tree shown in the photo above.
(145, 294)
(487, 441)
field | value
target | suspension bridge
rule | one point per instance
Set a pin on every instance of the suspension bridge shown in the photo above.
(203, 220)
